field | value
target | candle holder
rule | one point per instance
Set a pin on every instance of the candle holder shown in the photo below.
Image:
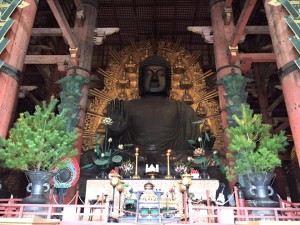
(136, 176)
(168, 176)
(120, 188)
(182, 189)
(114, 181)
(187, 181)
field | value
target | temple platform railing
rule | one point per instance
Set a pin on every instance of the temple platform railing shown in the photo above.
(99, 214)
(241, 215)
(67, 214)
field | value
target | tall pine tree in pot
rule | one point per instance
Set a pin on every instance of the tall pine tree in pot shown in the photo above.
(38, 144)
(255, 152)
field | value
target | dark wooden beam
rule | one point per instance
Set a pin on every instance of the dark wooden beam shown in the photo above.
(281, 127)
(275, 104)
(256, 30)
(248, 58)
(228, 4)
(63, 23)
(46, 59)
(243, 19)
(258, 57)
(41, 32)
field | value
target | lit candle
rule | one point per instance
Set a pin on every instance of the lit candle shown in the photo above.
(137, 150)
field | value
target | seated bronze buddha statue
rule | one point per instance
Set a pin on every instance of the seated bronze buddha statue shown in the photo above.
(154, 123)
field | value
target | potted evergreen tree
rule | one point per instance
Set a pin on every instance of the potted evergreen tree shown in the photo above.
(38, 144)
(254, 154)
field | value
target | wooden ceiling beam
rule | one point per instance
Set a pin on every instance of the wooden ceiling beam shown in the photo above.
(275, 104)
(258, 57)
(247, 59)
(66, 30)
(239, 30)
(41, 32)
(63, 23)
(281, 127)
(243, 19)
(256, 30)
(47, 59)
(228, 4)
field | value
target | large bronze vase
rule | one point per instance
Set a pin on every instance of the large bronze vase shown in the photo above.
(246, 187)
(38, 187)
(262, 191)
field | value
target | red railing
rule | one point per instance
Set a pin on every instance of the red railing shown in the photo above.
(234, 215)
(68, 214)
(98, 214)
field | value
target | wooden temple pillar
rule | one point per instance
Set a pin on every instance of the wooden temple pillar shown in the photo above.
(84, 33)
(289, 72)
(14, 57)
(222, 37)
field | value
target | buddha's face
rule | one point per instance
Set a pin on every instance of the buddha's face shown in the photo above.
(154, 79)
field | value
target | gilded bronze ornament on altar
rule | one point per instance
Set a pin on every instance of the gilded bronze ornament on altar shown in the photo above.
(152, 171)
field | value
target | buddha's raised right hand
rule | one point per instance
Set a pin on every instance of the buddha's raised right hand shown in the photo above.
(116, 110)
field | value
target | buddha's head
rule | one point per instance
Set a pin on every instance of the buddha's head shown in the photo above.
(155, 76)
